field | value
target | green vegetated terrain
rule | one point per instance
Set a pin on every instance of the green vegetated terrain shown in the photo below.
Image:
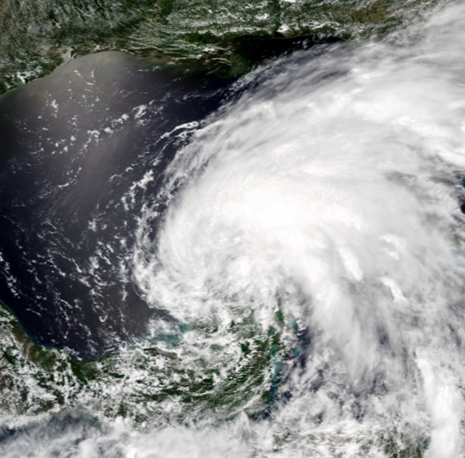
(140, 382)
(223, 37)
(157, 383)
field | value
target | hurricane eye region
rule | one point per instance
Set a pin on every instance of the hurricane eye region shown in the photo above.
(268, 267)
(330, 193)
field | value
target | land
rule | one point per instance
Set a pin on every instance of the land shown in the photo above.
(221, 37)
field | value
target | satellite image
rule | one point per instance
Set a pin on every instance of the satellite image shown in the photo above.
(232, 229)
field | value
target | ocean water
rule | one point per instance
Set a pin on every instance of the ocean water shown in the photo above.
(305, 242)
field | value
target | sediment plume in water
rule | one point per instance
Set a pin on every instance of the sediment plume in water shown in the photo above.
(328, 192)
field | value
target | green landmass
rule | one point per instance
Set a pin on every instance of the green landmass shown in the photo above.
(157, 384)
(225, 38)
(140, 382)
(222, 37)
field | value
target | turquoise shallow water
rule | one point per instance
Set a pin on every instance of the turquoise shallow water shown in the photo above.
(76, 145)
(271, 269)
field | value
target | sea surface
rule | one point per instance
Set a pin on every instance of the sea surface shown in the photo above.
(271, 267)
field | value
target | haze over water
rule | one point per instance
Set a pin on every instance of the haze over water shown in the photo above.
(329, 190)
